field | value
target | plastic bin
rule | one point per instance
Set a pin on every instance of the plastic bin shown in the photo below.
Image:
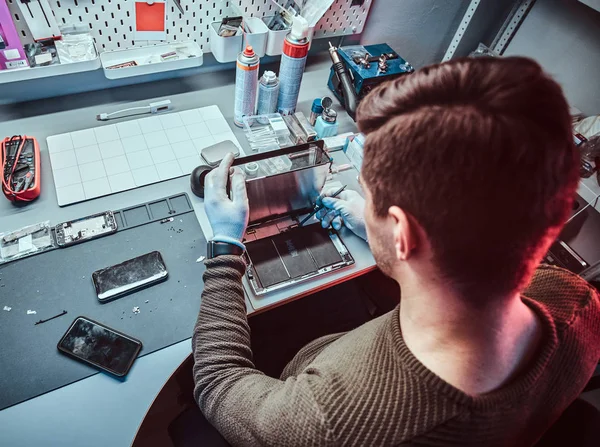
(266, 132)
(224, 49)
(257, 35)
(275, 38)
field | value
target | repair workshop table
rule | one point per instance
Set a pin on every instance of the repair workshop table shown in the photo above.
(99, 410)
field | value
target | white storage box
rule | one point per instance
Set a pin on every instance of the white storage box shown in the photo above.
(257, 35)
(224, 49)
(275, 38)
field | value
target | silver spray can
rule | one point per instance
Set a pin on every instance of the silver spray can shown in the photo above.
(246, 83)
(293, 61)
(268, 92)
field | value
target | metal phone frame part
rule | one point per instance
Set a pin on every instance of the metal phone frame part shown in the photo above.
(108, 227)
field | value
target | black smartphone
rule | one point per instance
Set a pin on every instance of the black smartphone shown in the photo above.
(100, 346)
(134, 274)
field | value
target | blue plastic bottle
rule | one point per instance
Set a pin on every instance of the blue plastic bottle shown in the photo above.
(315, 111)
(326, 125)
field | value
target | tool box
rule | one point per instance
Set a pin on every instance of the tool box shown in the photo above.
(21, 180)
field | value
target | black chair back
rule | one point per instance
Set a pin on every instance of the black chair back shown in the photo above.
(578, 426)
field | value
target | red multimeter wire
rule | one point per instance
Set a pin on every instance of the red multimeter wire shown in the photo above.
(28, 186)
(12, 172)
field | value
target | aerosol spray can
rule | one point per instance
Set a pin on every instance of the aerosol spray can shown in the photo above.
(246, 83)
(268, 93)
(293, 61)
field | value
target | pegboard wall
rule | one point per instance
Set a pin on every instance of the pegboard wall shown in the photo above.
(111, 21)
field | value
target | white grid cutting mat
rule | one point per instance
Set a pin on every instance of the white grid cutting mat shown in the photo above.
(91, 163)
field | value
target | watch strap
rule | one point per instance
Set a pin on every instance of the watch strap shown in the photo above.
(217, 248)
(228, 239)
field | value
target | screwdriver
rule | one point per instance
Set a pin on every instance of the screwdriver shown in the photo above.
(319, 208)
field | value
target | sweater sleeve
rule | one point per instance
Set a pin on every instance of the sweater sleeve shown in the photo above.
(246, 406)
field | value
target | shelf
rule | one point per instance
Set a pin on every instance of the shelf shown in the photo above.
(148, 59)
(24, 74)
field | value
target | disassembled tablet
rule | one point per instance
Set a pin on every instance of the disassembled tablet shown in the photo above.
(279, 251)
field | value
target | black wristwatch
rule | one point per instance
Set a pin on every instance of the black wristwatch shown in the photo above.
(216, 248)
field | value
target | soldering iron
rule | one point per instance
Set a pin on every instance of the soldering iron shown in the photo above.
(349, 95)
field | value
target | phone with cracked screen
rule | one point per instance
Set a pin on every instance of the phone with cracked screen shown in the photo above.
(129, 276)
(98, 345)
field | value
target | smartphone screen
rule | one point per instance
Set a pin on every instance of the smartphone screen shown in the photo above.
(129, 276)
(100, 346)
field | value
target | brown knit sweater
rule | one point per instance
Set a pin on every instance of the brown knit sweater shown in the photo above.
(365, 387)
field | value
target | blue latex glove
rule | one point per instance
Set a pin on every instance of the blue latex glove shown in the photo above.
(228, 217)
(346, 209)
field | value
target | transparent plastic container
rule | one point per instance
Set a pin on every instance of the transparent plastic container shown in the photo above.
(276, 165)
(266, 132)
(270, 166)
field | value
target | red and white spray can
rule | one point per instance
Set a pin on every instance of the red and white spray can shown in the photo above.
(246, 85)
(293, 61)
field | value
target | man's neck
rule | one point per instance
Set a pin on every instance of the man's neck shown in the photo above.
(477, 349)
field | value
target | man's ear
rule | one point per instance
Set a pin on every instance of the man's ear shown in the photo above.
(405, 233)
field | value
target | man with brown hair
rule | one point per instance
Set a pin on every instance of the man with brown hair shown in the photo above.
(468, 176)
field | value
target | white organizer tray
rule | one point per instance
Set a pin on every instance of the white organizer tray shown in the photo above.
(105, 160)
(24, 74)
(148, 59)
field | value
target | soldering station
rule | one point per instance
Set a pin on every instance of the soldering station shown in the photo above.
(358, 69)
(113, 233)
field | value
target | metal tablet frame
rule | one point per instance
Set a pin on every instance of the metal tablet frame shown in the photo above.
(257, 288)
(287, 193)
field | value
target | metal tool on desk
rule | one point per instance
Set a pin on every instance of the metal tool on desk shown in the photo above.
(358, 69)
(320, 207)
(153, 108)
